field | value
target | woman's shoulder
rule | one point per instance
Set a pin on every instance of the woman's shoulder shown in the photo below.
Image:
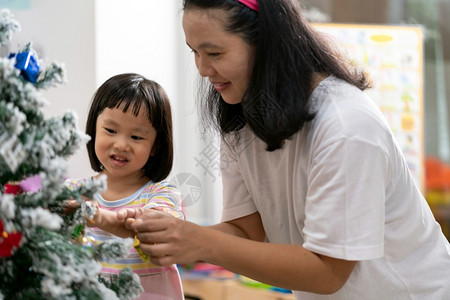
(336, 98)
(343, 110)
(332, 85)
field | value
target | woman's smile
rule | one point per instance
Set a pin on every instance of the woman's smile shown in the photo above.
(225, 58)
(220, 87)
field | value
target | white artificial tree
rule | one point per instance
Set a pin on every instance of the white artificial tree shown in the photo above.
(40, 253)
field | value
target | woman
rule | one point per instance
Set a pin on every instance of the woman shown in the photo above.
(317, 194)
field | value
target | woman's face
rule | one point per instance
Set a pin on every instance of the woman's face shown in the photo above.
(224, 57)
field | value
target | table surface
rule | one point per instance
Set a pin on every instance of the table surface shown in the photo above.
(227, 289)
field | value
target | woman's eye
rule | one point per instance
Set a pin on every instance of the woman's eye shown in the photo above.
(213, 54)
(137, 138)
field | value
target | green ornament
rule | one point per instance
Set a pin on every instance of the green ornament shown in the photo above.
(78, 231)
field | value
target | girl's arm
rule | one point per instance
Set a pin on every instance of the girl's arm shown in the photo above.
(238, 246)
(103, 219)
(108, 221)
(163, 196)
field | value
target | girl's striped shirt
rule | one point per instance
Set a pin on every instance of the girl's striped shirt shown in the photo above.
(161, 195)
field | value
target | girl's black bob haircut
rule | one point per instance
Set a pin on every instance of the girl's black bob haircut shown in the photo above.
(135, 92)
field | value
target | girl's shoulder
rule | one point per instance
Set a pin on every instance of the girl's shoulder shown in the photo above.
(163, 195)
(160, 186)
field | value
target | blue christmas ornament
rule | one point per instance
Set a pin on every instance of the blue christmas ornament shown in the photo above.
(27, 63)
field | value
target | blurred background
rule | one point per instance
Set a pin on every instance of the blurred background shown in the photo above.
(404, 45)
(395, 66)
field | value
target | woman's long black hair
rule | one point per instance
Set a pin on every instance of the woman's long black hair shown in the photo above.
(288, 54)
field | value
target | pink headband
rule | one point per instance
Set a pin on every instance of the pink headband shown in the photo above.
(253, 4)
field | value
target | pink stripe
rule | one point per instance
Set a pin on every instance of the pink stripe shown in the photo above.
(110, 271)
(151, 271)
(253, 4)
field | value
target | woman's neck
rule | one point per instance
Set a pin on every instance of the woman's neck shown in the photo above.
(316, 79)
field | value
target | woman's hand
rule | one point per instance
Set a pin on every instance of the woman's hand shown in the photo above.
(236, 247)
(166, 239)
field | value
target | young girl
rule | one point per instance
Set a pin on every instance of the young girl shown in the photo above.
(317, 194)
(130, 125)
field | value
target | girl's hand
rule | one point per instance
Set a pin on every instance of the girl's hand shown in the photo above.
(70, 206)
(129, 215)
(166, 239)
(91, 211)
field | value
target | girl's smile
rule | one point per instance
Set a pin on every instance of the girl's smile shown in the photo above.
(118, 160)
(124, 142)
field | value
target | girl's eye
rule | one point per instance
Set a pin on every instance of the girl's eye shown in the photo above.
(214, 54)
(110, 130)
(137, 138)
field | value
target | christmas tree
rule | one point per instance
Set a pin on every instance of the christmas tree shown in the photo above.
(40, 256)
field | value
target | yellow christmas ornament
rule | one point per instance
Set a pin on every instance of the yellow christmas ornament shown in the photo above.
(137, 246)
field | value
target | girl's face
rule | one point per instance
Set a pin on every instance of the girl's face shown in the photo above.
(124, 142)
(225, 58)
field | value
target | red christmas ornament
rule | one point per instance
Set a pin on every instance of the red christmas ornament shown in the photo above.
(13, 189)
(8, 241)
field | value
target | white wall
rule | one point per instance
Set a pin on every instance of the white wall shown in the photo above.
(63, 31)
(145, 36)
(101, 38)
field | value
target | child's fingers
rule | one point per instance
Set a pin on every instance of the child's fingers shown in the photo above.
(121, 215)
(126, 213)
(130, 224)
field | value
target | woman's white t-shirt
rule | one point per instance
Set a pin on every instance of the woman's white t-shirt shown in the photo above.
(341, 188)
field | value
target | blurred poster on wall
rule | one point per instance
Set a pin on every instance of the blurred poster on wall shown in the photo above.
(393, 58)
(15, 4)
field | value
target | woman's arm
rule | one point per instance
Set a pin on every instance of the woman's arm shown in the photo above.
(249, 227)
(287, 266)
(238, 246)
